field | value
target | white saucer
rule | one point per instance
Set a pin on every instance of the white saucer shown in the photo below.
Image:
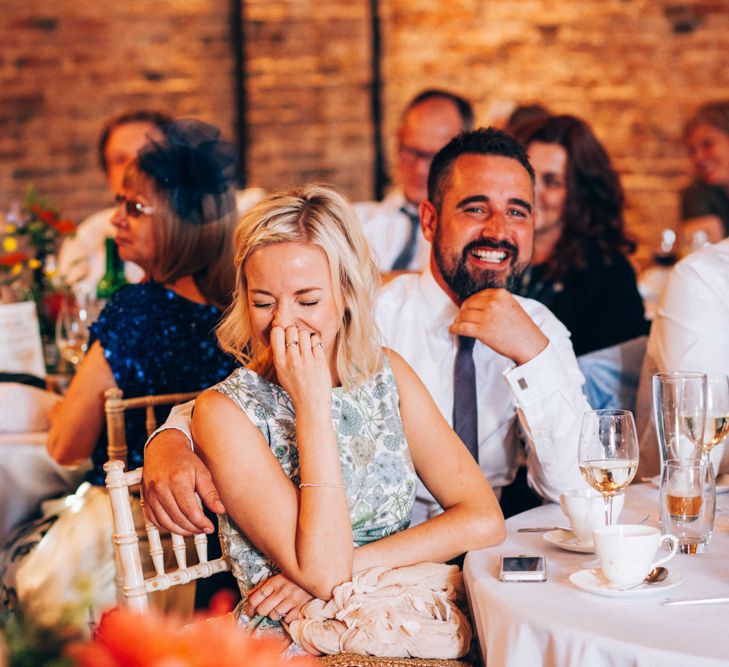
(722, 483)
(594, 581)
(565, 539)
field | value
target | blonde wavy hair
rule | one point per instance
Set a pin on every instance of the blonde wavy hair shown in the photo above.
(321, 216)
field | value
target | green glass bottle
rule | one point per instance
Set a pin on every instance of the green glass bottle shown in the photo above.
(113, 278)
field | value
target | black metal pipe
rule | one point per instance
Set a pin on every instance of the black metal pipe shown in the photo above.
(380, 170)
(240, 96)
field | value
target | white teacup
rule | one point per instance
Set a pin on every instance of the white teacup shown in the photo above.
(585, 508)
(626, 552)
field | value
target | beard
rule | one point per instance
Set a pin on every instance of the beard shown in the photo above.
(464, 282)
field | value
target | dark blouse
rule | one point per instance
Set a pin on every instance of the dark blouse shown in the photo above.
(156, 342)
(700, 199)
(601, 305)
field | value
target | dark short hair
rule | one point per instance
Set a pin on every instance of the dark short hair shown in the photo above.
(157, 118)
(715, 114)
(484, 141)
(593, 209)
(463, 106)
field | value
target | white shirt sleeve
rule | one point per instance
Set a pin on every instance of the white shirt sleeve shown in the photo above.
(180, 419)
(549, 401)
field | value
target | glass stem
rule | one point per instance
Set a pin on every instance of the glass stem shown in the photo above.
(608, 510)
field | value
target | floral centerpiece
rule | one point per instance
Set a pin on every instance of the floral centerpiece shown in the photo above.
(123, 638)
(29, 240)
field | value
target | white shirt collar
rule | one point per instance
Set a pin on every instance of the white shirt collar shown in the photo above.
(440, 309)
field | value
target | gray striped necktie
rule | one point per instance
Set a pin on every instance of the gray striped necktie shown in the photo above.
(406, 254)
(465, 408)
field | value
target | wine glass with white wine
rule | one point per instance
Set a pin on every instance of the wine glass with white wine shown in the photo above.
(608, 453)
(72, 329)
(717, 413)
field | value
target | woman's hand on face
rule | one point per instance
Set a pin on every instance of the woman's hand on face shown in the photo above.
(278, 597)
(301, 364)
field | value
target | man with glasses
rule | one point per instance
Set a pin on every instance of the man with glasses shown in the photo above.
(391, 226)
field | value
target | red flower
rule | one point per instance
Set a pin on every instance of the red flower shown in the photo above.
(13, 258)
(64, 226)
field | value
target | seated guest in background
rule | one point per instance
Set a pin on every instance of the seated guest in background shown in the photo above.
(705, 203)
(523, 113)
(520, 386)
(391, 226)
(689, 333)
(579, 269)
(321, 404)
(176, 221)
(82, 258)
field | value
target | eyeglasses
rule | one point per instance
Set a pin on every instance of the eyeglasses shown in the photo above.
(411, 155)
(132, 208)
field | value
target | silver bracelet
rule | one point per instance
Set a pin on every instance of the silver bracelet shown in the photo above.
(328, 486)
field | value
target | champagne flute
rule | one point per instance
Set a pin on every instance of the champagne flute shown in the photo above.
(72, 329)
(717, 413)
(608, 453)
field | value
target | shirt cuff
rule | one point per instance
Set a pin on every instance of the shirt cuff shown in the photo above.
(532, 381)
(179, 419)
(165, 427)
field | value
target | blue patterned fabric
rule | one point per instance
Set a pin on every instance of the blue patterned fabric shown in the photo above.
(156, 342)
(376, 464)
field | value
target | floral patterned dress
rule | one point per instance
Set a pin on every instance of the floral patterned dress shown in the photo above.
(376, 465)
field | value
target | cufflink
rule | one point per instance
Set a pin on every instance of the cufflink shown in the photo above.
(522, 384)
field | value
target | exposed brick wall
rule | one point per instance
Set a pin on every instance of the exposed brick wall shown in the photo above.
(308, 77)
(634, 68)
(67, 66)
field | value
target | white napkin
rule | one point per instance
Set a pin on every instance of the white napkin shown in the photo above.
(24, 408)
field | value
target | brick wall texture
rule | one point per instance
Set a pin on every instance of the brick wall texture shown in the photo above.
(634, 68)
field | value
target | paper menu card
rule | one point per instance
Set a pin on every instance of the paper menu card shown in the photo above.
(21, 350)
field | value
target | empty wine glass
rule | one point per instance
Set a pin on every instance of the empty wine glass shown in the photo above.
(608, 453)
(72, 328)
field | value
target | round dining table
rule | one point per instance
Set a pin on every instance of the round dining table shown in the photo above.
(556, 623)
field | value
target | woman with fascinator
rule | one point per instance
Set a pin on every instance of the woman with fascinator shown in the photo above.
(175, 219)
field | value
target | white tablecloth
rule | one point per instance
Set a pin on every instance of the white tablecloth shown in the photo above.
(555, 623)
(27, 476)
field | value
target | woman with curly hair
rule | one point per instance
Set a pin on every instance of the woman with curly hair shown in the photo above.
(579, 267)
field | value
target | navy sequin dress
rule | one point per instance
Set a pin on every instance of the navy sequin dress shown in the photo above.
(156, 342)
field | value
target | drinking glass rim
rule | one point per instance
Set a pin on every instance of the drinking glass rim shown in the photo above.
(685, 463)
(608, 412)
(679, 375)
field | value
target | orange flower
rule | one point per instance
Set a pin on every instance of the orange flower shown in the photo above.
(126, 639)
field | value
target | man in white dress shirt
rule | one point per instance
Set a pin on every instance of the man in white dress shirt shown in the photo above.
(391, 226)
(689, 333)
(479, 217)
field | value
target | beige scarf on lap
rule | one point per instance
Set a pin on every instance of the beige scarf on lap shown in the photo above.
(402, 612)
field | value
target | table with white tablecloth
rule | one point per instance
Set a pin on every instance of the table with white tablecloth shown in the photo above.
(29, 475)
(556, 623)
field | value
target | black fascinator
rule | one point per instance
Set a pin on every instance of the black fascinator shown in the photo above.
(188, 163)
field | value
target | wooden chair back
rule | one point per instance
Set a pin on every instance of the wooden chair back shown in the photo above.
(116, 405)
(132, 587)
